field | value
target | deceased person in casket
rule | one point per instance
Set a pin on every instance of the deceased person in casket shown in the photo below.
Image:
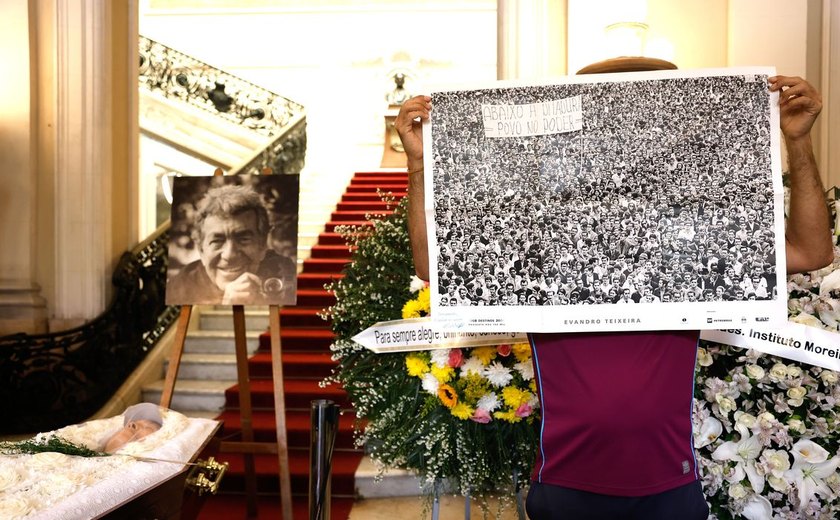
(139, 421)
(128, 454)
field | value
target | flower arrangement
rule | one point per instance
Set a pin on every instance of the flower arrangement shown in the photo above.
(481, 384)
(766, 433)
(467, 416)
(766, 429)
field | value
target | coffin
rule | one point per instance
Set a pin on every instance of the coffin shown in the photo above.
(126, 485)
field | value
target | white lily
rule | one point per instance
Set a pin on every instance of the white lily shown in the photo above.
(807, 319)
(710, 430)
(758, 508)
(830, 283)
(810, 467)
(809, 451)
(743, 453)
(808, 477)
(829, 311)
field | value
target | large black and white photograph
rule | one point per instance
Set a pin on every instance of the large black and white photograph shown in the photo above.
(233, 240)
(635, 201)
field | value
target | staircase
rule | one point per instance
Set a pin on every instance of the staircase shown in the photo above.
(207, 385)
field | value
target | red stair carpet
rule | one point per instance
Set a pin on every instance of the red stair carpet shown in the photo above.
(305, 340)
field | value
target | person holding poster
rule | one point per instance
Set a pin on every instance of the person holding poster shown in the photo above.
(616, 434)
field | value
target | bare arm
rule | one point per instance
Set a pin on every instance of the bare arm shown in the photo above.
(808, 244)
(410, 127)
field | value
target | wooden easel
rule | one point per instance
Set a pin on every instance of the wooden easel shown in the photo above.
(246, 446)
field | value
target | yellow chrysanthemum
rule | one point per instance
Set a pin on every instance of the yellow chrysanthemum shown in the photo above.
(533, 386)
(447, 396)
(462, 411)
(514, 397)
(444, 373)
(485, 354)
(418, 307)
(424, 298)
(509, 416)
(416, 366)
(522, 351)
(412, 309)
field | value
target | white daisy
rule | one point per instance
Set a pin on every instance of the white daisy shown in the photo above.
(440, 357)
(498, 374)
(472, 365)
(488, 402)
(430, 383)
(526, 368)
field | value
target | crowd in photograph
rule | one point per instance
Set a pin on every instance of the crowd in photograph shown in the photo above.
(664, 195)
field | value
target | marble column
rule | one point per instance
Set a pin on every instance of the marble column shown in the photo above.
(67, 158)
(22, 309)
(531, 41)
(82, 174)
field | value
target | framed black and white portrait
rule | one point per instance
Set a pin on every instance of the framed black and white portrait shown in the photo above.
(233, 240)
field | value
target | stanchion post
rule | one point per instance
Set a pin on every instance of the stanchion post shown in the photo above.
(324, 426)
(436, 500)
(467, 505)
(520, 507)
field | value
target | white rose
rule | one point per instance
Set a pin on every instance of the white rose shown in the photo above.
(746, 419)
(778, 483)
(755, 371)
(48, 459)
(57, 486)
(778, 372)
(77, 478)
(777, 461)
(796, 395)
(829, 377)
(794, 371)
(796, 425)
(766, 419)
(737, 491)
(704, 359)
(726, 404)
(8, 478)
(14, 507)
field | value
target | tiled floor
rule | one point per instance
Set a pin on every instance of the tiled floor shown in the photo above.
(419, 508)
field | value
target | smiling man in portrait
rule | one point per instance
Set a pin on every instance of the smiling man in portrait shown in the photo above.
(236, 266)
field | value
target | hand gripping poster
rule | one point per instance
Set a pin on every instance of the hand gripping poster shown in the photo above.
(634, 201)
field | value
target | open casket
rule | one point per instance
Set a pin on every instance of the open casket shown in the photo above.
(53, 485)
